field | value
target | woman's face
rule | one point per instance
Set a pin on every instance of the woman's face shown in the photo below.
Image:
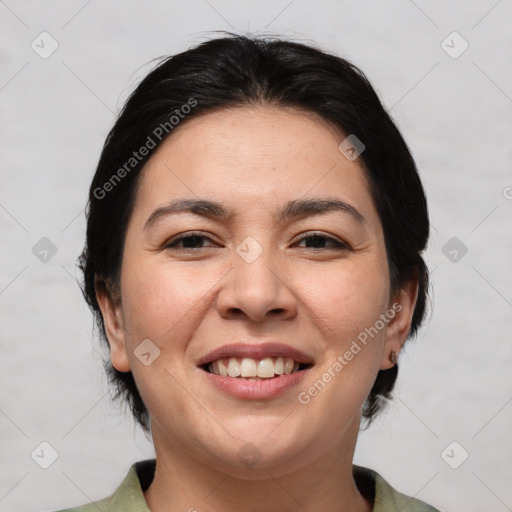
(259, 275)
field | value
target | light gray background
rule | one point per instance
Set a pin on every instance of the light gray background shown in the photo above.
(455, 380)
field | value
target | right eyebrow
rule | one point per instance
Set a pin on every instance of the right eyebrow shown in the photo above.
(202, 207)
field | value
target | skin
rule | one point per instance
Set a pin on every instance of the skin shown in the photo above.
(254, 160)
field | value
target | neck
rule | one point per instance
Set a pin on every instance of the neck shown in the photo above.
(325, 483)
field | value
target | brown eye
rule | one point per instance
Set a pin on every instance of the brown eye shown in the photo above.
(321, 241)
(188, 241)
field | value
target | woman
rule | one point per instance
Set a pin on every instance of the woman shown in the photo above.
(253, 258)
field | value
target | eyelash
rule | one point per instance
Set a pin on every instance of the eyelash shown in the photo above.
(338, 245)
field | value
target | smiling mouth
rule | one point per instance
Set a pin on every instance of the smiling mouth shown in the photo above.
(246, 368)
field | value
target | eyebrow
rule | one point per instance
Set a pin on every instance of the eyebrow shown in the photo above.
(293, 210)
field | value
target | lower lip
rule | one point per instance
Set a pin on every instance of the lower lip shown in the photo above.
(256, 389)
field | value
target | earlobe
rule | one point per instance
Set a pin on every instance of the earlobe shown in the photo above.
(398, 329)
(114, 328)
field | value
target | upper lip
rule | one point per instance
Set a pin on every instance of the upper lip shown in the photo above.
(256, 351)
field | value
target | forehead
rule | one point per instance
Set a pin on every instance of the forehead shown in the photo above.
(253, 157)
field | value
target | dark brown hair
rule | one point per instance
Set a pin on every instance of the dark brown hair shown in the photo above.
(236, 71)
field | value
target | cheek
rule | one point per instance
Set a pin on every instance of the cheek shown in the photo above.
(350, 297)
(161, 301)
(348, 304)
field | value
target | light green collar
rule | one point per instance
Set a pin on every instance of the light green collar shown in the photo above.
(129, 496)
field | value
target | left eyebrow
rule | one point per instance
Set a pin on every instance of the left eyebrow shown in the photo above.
(302, 208)
(296, 209)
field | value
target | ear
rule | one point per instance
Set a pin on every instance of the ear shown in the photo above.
(111, 311)
(399, 327)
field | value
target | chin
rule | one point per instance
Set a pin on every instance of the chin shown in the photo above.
(252, 452)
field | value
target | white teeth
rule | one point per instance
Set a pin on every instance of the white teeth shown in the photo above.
(279, 366)
(233, 367)
(223, 368)
(266, 368)
(247, 367)
(288, 365)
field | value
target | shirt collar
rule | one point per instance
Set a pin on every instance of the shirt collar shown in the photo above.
(129, 496)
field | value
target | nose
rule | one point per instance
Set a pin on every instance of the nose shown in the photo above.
(257, 290)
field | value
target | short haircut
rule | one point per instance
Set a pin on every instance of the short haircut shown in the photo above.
(237, 71)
